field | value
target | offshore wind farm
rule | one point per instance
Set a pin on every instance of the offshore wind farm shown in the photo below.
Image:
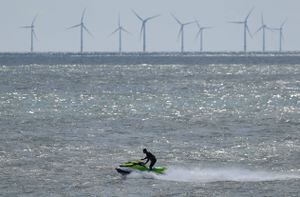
(161, 33)
(207, 90)
(181, 34)
(157, 35)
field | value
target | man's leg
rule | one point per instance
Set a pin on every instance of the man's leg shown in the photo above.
(152, 164)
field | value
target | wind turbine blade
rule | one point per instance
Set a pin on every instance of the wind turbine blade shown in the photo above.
(179, 33)
(198, 34)
(119, 21)
(249, 13)
(178, 21)
(137, 15)
(114, 32)
(274, 29)
(74, 26)
(283, 23)
(122, 29)
(142, 29)
(152, 17)
(82, 16)
(247, 28)
(34, 19)
(206, 27)
(271, 29)
(34, 34)
(197, 23)
(262, 19)
(189, 23)
(86, 29)
(237, 22)
(258, 30)
(25, 27)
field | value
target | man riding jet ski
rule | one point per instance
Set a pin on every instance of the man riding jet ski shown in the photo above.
(139, 166)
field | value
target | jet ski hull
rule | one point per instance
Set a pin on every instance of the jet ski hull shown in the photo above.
(137, 166)
(123, 171)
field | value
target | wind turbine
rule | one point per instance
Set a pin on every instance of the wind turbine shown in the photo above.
(181, 31)
(32, 34)
(120, 29)
(143, 27)
(82, 28)
(246, 28)
(263, 28)
(200, 34)
(280, 29)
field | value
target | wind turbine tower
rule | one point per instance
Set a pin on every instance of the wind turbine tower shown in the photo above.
(32, 32)
(120, 29)
(143, 27)
(200, 34)
(263, 28)
(82, 28)
(246, 28)
(181, 31)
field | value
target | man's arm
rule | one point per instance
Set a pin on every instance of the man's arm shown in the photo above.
(146, 161)
(144, 158)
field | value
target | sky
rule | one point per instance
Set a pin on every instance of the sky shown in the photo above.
(55, 16)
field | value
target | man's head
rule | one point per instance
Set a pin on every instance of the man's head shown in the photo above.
(145, 150)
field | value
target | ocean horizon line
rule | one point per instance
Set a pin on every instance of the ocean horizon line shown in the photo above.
(154, 58)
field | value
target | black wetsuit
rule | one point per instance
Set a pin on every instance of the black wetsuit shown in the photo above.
(151, 157)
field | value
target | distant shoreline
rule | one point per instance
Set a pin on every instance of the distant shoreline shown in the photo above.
(154, 58)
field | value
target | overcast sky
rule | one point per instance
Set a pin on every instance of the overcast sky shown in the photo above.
(54, 16)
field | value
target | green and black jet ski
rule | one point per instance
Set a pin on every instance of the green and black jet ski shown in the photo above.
(137, 166)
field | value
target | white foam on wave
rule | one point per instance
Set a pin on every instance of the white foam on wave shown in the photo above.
(206, 175)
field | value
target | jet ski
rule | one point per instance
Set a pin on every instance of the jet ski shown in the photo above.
(137, 166)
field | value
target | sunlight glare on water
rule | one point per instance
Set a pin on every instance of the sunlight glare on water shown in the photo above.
(221, 129)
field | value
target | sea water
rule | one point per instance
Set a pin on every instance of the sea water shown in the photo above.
(220, 129)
